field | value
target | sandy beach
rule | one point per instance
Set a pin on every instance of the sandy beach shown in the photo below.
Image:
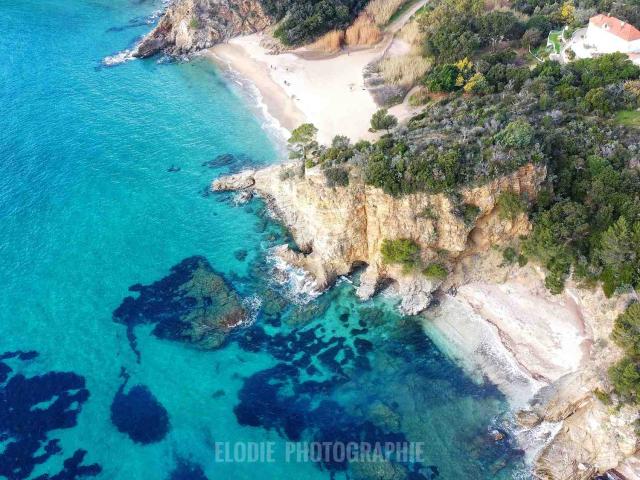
(327, 92)
(515, 332)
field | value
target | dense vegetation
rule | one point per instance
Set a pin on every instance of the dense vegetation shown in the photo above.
(625, 374)
(302, 21)
(403, 251)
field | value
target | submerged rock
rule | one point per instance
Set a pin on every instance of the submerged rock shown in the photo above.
(32, 407)
(193, 304)
(139, 414)
(186, 470)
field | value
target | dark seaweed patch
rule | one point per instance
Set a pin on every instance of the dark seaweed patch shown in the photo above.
(73, 469)
(193, 304)
(186, 470)
(139, 414)
(31, 407)
(240, 254)
(229, 160)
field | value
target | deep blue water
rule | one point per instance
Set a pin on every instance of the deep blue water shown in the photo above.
(88, 209)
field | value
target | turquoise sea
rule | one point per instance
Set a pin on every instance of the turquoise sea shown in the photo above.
(103, 180)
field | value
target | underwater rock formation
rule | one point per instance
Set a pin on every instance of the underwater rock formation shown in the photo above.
(139, 414)
(30, 408)
(193, 304)
(186, 470)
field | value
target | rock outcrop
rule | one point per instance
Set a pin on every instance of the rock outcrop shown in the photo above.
(339, 228)
(191, 25)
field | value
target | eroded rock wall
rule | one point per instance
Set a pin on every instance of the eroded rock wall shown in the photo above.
(340, 227)
(191, 25)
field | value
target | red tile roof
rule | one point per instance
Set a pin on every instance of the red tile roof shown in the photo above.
(621, 29)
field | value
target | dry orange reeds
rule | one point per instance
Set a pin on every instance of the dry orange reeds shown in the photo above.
(363, 31)
(330, 42)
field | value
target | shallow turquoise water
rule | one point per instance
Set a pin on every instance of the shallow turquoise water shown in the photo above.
(88, 208)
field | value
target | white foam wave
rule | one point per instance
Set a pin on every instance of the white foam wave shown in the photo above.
(252, 304)
(298, 286)
(118, 58)
(254, 99)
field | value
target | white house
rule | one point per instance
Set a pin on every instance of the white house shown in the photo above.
(607, 34)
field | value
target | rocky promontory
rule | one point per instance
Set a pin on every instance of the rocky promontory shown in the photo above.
(341, 228)
(188, 26)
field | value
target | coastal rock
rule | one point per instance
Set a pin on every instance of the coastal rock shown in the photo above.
(188, 26)
(340, 228)
(239, 181)
(368, 283)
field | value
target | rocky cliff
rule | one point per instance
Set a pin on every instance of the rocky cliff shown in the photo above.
(339, 228)
(191, 25)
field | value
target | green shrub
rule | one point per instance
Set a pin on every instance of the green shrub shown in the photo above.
(509, 255)
(469, 213)
(604, 397)
(626, 330)
(625, 377)
(517, 134)
(421, 97)
(442, 78)
(336, 176)
(510, 205)
(381, 120)
(302, 21)
(429, 213)
(522, 260)
(436, 271)
(402, 251)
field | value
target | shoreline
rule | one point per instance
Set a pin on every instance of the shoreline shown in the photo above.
(275, 103)
(294, 89)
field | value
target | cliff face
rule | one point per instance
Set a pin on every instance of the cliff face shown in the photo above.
(339, 228)
(191, 25)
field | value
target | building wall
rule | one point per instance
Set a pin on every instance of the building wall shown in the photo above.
(606, 42)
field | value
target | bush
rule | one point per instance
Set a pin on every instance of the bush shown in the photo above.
(478, 84)
(336, 176)
(302, 21)
(469, 213)
(517, 134)
(604, 397)
(510, 205)
(421, 97)
(402, 251)
(435, 271)
(442, 78)
(626, 330)
(625, 377)
(509, 255)
(381, 120)
(522, 260)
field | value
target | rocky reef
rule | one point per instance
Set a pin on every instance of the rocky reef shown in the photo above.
(340, 228)
(191, 25)
(193, 304)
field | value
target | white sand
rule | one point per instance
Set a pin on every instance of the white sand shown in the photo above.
(327, 92)
(519, 337)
